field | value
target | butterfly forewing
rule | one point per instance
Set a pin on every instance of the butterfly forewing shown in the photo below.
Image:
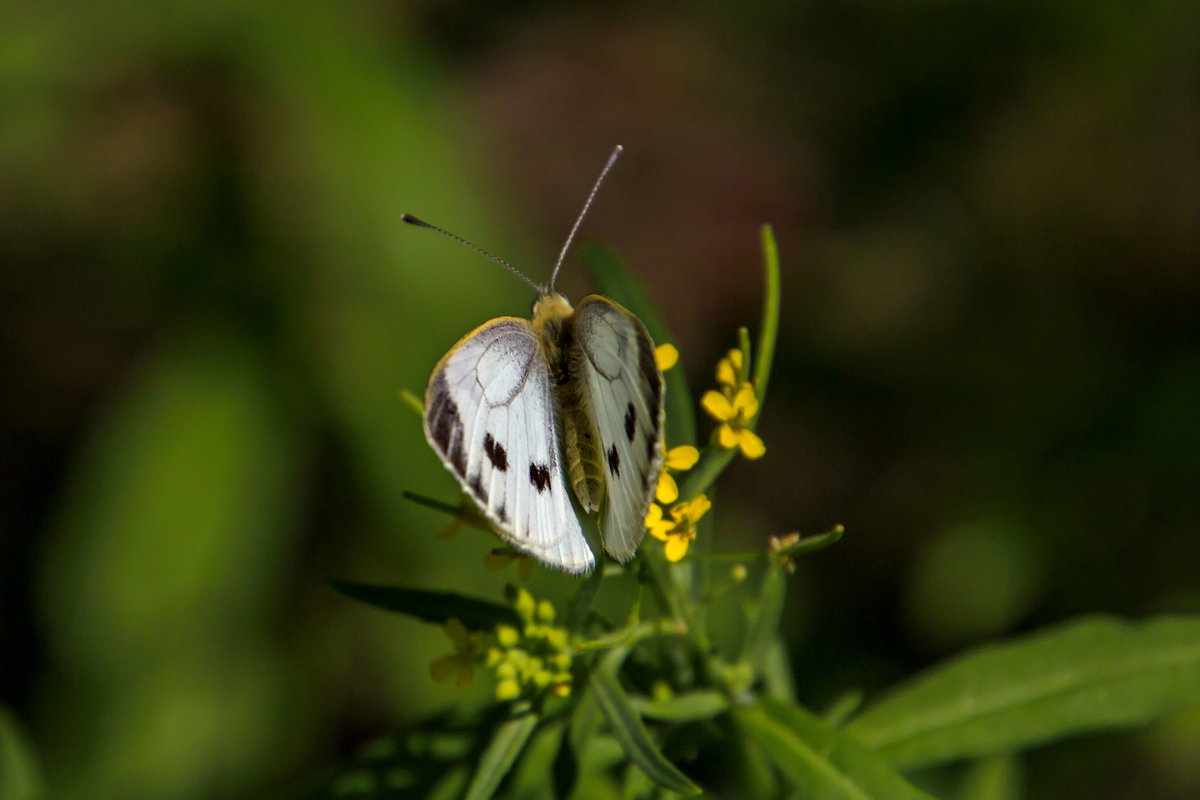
(489, 414)
(623, 388)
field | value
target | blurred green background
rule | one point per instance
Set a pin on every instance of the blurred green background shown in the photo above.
(989, 370)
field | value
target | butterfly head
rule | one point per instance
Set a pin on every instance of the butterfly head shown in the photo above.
(550, 310)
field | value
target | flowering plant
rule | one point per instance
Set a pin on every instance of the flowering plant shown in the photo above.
(674, 699)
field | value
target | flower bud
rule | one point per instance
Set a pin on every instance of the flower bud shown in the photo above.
(507, 690)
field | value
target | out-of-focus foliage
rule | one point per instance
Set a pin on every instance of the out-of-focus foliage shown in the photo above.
(988, 365)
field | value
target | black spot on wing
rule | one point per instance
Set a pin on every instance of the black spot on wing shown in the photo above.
(477, 489)
(502, 513)
(539, 476)
(446, 427)
(614, 461)
(648, 366)
(458, 457)
(442, 415)
(630, 422)
(651, 446)
(495, 453)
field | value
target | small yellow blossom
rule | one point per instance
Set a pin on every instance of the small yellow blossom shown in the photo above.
(679, 531)
(667, 356)
(735, 418)
(729, 370)
(679, 459)
(499, 558)
(467, 647)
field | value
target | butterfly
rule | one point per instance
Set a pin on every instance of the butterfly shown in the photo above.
(518, 409)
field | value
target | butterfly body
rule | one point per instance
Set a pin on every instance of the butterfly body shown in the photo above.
(518, 410)
(554, 322)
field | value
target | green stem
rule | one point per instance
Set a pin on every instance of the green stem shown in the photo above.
(633, 634)
(804, 546)
(713, 460)
(770, 317)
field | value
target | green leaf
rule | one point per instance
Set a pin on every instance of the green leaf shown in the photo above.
(689, 707)
(500, 755)
(779, 683)
(528, 779)
(436, 607)
(754, 767)
(580, 605)
(632, 734)
(819, 760)
(1086, 675)
(613, 279)
(764, 626)
(840, 711)
(993, 778)
(20, 777)
(564, 772)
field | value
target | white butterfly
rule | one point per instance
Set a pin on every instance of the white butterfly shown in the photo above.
(518, 408)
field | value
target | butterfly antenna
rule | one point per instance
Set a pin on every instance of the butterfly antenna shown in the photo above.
(612, 159)
(420, 223)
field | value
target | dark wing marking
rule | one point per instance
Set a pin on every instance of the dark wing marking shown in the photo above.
(489, 405)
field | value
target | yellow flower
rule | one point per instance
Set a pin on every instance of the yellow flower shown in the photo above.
(735, 418)
(467, 647)
(501, 557)
(729, 370)
(667, 355)
(679, 531)
(679, 459)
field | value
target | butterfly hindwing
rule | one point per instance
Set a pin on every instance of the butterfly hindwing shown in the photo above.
(489, 414)
(623, 388)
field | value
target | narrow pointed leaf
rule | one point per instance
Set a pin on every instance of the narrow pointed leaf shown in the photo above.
(764, 627)
(819, 760)
(779, 683)
(528, 778)
(632, 734)
(994, 778)
(689, 707)
(500, 755)
(613, 279)
(1083, 676)
(580, 605)
(436, 607)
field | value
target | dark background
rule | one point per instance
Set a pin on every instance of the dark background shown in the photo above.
(989, 364)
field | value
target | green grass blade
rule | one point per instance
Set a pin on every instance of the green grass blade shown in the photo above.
(500, 755)
(436, 607)
(1083, 676)
(613, 279)
(819, 760)
(632, 734)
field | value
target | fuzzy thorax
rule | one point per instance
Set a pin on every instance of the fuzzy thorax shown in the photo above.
(553, 322)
